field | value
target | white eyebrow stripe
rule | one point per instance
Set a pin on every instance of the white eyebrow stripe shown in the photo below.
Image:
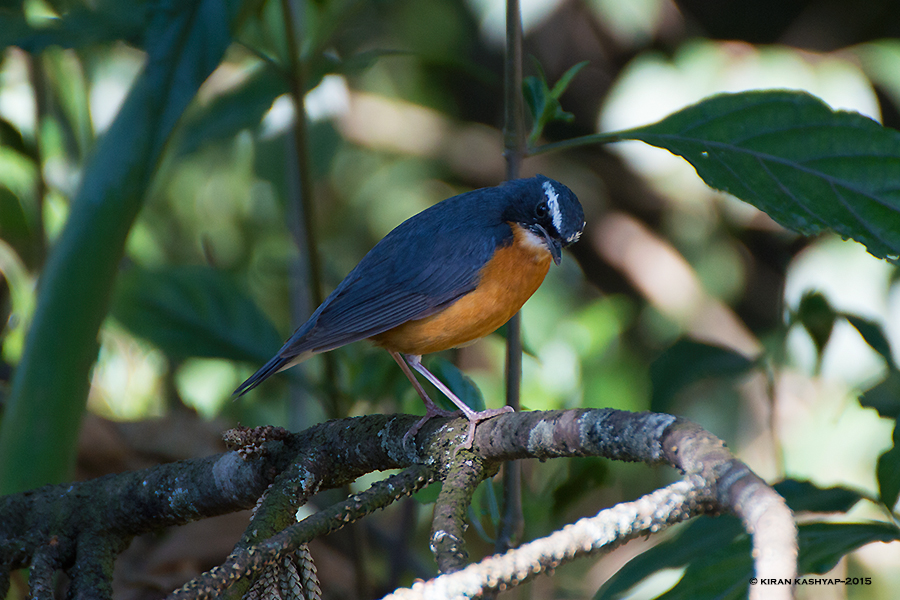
(553, 203)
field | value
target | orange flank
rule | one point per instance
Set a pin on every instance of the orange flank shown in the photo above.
(506, 282)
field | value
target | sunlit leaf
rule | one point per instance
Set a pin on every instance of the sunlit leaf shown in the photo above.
(789, 154)
(194, 311)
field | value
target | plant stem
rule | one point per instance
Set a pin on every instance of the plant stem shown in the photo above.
(585, 140)
(511, 524)
(297, 79)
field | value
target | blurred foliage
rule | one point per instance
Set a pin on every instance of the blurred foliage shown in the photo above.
(679, 297)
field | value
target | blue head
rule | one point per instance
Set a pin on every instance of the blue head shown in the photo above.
(546, 208)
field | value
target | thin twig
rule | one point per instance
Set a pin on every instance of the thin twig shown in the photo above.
(603, 532)
(243, 561)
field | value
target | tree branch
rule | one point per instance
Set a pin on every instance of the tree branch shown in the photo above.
(88, 523)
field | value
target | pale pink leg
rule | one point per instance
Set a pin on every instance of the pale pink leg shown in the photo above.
(431, 409)
(474, 417)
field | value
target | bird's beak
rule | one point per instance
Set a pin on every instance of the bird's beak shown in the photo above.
(554, 246)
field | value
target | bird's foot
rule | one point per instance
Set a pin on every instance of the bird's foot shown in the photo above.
(477, 417)
(431, 411)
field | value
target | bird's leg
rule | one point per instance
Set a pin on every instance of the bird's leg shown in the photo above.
(474, 417)
(431, 409)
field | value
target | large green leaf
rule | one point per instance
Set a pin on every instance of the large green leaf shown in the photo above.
(194, 311)
(787, 153)
(185, 43)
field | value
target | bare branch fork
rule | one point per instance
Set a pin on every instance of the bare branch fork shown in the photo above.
(80, 528)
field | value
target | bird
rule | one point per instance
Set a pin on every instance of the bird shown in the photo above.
(444, 278)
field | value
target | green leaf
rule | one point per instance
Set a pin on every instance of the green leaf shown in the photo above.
(544, 102)
(484, 509)
(185, 43)
(817, 317)
(787, 153)
(874, 336)
(194, 312)
(563, 84)
(722, 570)
(822, 545)
(585, 474)
(807, 497)
(11, 138)
(80, 27)
(724, 574)
(15, 228)
(703, 537)
(464, 388)
(716, 550)
(228, 114)
(689, 361)
(884, 397)
(888, 472)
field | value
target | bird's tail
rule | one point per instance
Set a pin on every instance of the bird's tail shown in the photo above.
(274, 365)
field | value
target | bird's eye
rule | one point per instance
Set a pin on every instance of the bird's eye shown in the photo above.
(541, 210)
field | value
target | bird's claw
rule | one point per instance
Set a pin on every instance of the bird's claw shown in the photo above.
(430, 412)
(477, 417)
(473, 417)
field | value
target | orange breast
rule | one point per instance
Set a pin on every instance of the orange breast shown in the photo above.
(507, 281)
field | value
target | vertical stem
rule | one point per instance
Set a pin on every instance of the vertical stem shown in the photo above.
(511, 524)
(297, 77)
(301, 142)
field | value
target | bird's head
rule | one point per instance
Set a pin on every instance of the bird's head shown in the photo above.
(548, 210)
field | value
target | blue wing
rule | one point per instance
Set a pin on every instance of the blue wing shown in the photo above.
(422, 266)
